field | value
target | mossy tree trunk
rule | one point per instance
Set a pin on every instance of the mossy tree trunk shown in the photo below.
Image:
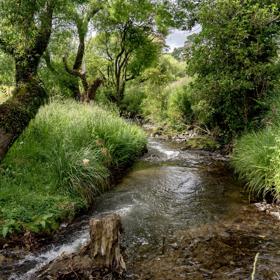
(16, 113)
(29, 95)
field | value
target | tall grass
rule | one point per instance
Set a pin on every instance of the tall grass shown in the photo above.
(61, 162)
(252, 159)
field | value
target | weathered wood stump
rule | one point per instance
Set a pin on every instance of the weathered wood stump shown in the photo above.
(105, 243)
(101, 257)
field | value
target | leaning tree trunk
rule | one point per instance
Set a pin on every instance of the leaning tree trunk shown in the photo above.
(16, 112)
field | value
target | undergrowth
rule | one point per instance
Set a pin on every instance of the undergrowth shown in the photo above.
(61, 162)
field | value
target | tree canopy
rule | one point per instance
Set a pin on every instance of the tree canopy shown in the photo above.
(234, 58)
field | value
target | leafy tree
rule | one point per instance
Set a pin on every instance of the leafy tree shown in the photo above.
(81, 19)
(179, 53)
(166, 71)
(234, 61)
(128, 41)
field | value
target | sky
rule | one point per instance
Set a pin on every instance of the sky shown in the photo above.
(177, 38)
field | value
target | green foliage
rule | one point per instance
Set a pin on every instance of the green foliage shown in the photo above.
(128, 41)
(61, 162)
(133, 98)
(179, 107)
(52, 72)
(169, 104)
(234, 61)
(254, 157)
(161, 94)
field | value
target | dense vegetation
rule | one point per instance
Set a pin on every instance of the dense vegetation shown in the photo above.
(99, 57)
(61, 162)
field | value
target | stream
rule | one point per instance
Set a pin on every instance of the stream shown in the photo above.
(184, 217)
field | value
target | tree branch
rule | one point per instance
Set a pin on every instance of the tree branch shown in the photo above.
(47, 58)
(44, 32)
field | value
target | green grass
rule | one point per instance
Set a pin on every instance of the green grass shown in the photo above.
(256, 158)
(256, 155)
(61, 162)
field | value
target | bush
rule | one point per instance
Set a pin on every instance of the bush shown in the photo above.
(169, 104)
(133, 98)
(179, 107)
(61, 162)
(256, 155)
(234, 59)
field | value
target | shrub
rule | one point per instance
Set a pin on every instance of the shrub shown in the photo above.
(179, 107)
(133, 98)
(61, 162)
(256, 155)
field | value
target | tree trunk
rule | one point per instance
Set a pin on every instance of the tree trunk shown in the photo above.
(16, 112)
(92, 90)
(74, 87)
(105, 243)
(120, 93)
(26, 68)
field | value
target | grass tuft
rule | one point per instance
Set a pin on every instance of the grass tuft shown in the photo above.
(256, 158)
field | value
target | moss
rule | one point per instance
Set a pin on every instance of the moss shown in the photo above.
(18, 110)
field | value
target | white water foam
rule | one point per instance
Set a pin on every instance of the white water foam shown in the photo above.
(46, 257)
(167, 152)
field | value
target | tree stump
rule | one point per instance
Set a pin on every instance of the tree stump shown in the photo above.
(105, 243)
(100, 257)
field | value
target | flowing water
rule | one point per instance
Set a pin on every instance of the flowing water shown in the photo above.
(169, 191)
